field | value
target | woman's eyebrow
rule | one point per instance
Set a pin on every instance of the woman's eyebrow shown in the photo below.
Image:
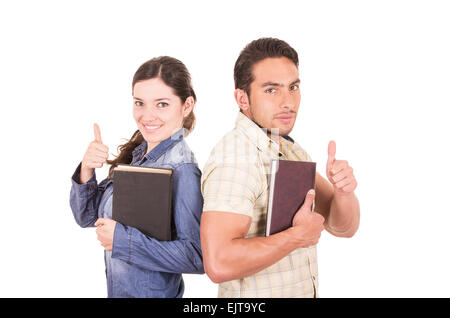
(160, 99)
(155, 100)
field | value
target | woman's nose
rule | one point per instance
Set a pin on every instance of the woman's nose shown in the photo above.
(148, 114)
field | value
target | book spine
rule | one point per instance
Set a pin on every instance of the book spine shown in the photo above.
(169, 233)
(273, 171)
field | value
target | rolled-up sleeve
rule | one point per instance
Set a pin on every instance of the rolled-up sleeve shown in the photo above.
(231, 187)
(85, 199)
(181, 255)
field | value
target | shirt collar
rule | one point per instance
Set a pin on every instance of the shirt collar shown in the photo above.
(161, 148)
(257, 134)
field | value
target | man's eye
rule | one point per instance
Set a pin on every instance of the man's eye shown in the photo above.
(162, 105)
(294, 87)
(139, 103)
(271, 90)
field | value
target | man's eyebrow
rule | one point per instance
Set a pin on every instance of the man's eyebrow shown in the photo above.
(271, 84)
(297, 81)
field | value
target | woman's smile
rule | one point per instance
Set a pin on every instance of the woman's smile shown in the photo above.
(151, 128)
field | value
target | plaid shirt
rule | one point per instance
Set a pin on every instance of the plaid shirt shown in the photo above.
(236, 180)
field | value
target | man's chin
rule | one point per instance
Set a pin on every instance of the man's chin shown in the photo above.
(280, 131)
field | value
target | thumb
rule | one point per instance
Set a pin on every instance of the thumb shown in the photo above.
(309, 200)
(331, 154)
(99, 222)
(98, 137)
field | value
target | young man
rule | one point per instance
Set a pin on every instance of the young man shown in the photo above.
(235, 187)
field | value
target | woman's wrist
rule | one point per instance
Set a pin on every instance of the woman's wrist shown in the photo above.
(85, 174)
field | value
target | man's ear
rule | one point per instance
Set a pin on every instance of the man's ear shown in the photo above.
(241, 99)
(188, 106)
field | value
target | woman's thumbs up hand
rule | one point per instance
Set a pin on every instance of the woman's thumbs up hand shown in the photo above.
(95, 156)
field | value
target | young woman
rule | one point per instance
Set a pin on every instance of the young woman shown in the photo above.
(138, 265)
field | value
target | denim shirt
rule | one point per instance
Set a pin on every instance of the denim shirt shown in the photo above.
(138, 265)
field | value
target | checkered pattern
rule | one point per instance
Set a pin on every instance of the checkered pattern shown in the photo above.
(236, 179)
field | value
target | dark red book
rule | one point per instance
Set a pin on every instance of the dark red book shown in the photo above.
(289, 183)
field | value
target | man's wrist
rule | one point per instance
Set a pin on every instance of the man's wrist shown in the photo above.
(292, 239)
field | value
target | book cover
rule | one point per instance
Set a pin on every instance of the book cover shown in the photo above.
(142, 198)
(289, 183)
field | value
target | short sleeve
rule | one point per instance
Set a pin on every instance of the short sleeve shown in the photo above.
(298, 153)
(231, 187)
(308, 157)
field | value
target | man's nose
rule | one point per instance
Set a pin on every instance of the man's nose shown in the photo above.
(288, 101)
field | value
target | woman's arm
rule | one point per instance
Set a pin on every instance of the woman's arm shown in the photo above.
(85, 194)
(182, 255)
(85, 198)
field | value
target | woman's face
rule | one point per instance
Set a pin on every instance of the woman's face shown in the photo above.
(158, 112)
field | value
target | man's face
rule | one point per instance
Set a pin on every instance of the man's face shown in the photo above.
(274, 95)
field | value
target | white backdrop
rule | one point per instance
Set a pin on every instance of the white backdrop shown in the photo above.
(375, 78)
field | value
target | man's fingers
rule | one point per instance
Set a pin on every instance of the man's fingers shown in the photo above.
(342, 174)
(331, 152)
(309, 200)
(338, 166)
(97, 135)
(319, 217)
(344, 182)
(350, 187)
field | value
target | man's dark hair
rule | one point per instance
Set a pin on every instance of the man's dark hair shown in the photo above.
(256, 51)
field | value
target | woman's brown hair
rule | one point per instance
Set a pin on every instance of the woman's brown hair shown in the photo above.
(175, 75)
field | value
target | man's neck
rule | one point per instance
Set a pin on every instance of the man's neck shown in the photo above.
(274, 137)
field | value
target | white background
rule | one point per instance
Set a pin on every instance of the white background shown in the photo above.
(375, 78)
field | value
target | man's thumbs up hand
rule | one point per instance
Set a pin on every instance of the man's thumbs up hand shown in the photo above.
(339, 173)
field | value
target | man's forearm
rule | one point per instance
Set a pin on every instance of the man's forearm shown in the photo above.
(243, 257)
(343, 219)
(228, 254)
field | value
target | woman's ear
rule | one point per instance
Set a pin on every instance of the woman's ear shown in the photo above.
(241, 99)
(188, 106)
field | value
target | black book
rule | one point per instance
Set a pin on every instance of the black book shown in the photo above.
(290, 181)
(142, 198)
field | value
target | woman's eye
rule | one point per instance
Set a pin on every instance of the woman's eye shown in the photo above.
(138, 103)
(162, 105)
(270, 90)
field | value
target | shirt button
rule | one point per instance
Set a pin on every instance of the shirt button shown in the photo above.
(280, 154)
(91, 187)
